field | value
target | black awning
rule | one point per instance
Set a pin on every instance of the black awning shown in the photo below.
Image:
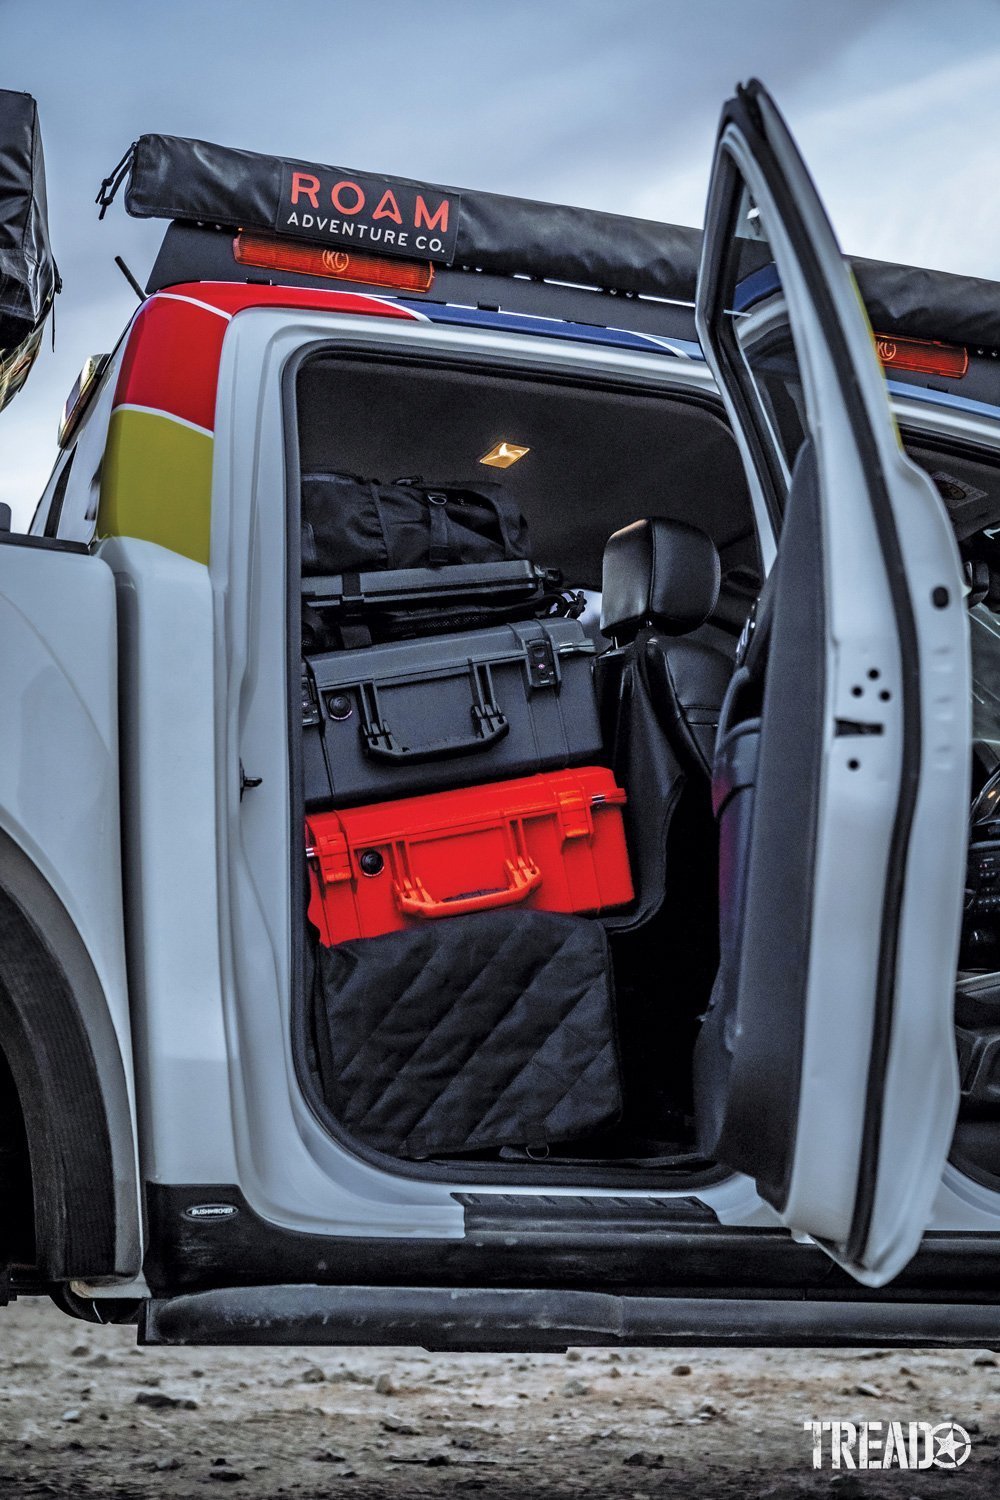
(915, 302)
(194, 181)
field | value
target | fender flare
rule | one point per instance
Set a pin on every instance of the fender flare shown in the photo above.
(60, 1043)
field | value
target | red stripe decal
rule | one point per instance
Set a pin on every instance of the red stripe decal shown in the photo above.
(171, 362)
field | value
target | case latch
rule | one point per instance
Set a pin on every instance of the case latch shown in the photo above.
(575, 818)
(310, 703)
(543, 670)
(332, 858)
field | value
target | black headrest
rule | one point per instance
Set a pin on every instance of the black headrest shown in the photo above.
(658, 572)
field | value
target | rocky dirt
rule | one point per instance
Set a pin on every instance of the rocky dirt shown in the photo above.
(84, 1413)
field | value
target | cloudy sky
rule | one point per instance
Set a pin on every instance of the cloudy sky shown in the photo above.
(610, 104)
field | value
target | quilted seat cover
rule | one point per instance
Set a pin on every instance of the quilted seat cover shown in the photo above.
(469, 1033)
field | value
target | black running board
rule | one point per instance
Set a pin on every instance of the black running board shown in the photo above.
(527, 1321)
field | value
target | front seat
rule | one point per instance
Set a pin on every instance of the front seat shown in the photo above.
(661, 693)
(661, 582)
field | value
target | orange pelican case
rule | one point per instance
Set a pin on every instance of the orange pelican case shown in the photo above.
(555, 841)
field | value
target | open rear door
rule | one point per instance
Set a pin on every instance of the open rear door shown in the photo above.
(826, 1066)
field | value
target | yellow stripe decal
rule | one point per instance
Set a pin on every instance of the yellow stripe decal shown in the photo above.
(156, 482)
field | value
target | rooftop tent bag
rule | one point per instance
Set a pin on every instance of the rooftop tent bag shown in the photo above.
(421, 715)
(353, 525)
(28, 276)
(488, 1031)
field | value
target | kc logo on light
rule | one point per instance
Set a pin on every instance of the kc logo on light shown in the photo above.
(888, 1445)
(336, 260)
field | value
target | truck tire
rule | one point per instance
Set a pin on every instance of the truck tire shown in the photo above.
(17, 1229)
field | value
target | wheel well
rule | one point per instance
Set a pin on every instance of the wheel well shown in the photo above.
(62, 1057)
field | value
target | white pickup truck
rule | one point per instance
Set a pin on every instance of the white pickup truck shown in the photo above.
(812, 1087)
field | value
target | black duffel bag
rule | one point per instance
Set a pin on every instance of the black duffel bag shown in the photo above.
(354, 525)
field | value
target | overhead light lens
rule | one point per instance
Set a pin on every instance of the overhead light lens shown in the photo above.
(503, 455)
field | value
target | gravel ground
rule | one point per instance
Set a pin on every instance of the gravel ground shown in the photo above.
(84, 1413)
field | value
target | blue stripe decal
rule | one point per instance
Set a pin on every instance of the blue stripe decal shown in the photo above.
(943, 398)
(761, 283)
(583, 333)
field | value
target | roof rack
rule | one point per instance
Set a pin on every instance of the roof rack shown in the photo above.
(190, 253)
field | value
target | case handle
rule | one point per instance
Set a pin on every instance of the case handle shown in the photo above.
(489, 725)
(523, 877)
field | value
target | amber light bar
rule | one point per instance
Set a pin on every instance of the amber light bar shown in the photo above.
(270, 254)
(922, 355)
